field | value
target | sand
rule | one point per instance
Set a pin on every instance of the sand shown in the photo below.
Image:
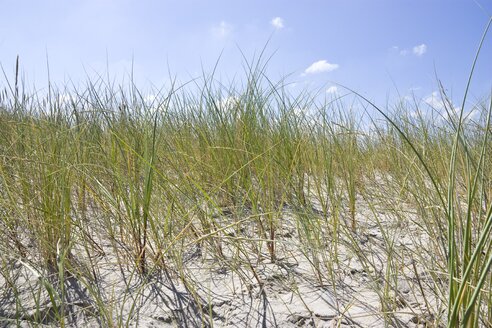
(286, 292)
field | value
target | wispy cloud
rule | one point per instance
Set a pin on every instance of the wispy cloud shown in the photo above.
(420, 49)
(333, 90)
(222, 30)
(398, 50)
(278, 23)
(320, 66)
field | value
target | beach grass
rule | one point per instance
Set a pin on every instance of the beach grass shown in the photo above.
(223, 172)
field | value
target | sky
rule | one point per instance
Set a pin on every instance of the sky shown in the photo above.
(383, 49)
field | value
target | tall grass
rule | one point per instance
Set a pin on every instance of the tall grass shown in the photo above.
(103, 171)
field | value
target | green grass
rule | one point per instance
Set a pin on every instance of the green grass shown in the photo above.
(156, 179)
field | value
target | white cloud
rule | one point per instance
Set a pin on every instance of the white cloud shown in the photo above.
(320, 66)
(434, 100)
(222, 30)
(473, 115)
(333, 89)
(420, 49)
(277, 22)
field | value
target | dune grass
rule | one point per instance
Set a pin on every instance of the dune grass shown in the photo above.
(103, 167)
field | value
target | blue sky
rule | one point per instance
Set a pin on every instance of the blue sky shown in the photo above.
(378, 47)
